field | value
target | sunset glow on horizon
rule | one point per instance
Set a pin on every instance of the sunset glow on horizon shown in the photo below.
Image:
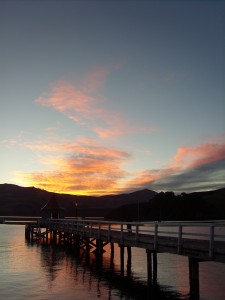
(107, 98)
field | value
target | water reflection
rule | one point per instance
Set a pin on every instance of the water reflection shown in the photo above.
(46, 272)
(100, 273)
(51, 261)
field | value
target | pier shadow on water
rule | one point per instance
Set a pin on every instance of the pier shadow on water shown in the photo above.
(101, 273)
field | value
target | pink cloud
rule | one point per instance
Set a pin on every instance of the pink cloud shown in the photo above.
(76, 101)
(80, 106)
(69, 100)
(120, 127)
(186, 158)
(114, 131)
(191, 157)
(144, 179)
(95, 80)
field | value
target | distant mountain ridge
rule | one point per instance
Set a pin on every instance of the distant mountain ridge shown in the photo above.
(28, 201)
(140, 205)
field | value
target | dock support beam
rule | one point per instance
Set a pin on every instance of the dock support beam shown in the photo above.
(112, 249)
(151, 266)
(122, 259)
(155, 266)
(194, 277)
(99, 247)
(128, 260)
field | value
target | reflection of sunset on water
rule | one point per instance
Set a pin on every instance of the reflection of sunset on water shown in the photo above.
(14, 251)
(44, 272)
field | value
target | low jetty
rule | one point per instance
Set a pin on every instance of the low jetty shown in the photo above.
(19, 220)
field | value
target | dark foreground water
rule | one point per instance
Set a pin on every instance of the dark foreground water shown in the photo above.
(41, 272)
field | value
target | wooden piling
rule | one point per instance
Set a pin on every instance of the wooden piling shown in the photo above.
(149, 266)
(99, 247)
(112, 249)
(128, 260)
(54, 236)
(129, 253)
(194, 277)
(87, 243)
(155, 266)
(122, 259)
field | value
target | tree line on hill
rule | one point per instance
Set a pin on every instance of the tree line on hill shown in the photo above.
(166, 206)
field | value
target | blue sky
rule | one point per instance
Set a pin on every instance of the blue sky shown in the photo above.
(102, 97)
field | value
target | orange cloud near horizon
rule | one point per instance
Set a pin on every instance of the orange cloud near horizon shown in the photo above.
(92, 169)
(86, 169)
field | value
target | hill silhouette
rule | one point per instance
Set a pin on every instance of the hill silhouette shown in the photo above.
(140, 205)
(28, 201)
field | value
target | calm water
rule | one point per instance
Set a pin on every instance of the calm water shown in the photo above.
(45, 272)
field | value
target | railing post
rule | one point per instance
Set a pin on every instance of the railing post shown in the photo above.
(77, 226)
(72, 229)
(137, 237)
(156, 237)
(99, 231)
(211, 242)
(109, 232)
(83, 223)
(179, 239)
(121, 233)
(90, 231)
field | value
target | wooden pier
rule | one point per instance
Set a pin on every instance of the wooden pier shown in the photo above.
(200, 241)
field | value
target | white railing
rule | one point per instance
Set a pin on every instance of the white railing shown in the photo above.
(149, 235)
(211, 231)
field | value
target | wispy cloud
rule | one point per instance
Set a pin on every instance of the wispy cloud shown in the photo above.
(80, 104)
(95, 80)
(69, 100)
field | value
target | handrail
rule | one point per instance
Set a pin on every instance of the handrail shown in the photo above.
(161, 223)
(203, 230)
(209, 232)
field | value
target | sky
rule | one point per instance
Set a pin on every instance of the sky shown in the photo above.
(107, 97)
